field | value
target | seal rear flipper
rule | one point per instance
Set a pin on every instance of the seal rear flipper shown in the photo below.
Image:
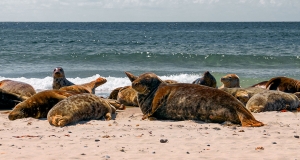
(58, 120)
(246, 118)
(273, 83)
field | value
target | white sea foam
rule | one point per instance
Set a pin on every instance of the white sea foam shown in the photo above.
(112, 82)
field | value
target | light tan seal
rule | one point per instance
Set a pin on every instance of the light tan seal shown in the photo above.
(272, 101)
(284, 84)
(38, 105)
(59, 78)
(184, 101)
(79, 107)
(207, 80)
(16, 87)
(86, 87)
(230, 81)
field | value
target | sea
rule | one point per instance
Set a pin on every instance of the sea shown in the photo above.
(183, 51)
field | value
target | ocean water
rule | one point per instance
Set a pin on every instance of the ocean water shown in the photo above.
(255, 51)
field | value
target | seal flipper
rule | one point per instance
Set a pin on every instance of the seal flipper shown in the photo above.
(273, 83)
(246, 118)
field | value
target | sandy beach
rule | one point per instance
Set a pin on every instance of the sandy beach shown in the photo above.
(129, 137)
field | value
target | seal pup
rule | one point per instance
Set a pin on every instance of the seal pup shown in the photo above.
(230, 81)
(9, 100)
(38, 105)
(272, 101)
(79, 107)
(284, 84)
(184, 101)
(86, 87)
(59, 79)
(19, 88)
(207, 79)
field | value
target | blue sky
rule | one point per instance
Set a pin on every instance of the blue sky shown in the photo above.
(149, 10)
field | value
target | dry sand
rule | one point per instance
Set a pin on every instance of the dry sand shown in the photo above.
(129, 137)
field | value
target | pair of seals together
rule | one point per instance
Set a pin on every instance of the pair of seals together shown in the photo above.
(183, 101)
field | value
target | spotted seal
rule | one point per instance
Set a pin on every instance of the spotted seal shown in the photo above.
(207, 79)
(230, 81)
(284, 84)
(86, 87)
(38, 105)
(16, 87)
(79, 107)
(59, 79)
(272, 101)
(184, 101)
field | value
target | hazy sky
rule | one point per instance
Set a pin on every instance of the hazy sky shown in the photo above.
(149, 10)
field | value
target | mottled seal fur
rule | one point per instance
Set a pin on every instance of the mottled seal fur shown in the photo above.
(243, 94)
(184, 101)
(272, 101)
(207, 79)
(79, 107)
(9, 100)
(59, 79)
(86, 87)
(38, 105)
(16, 87)
(230, 81)
(284, 84)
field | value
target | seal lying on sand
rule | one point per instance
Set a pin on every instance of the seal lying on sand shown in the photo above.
(85, 88)
(184, 101)
(272, 101)
(243, 94)
(284, 84)
(19, 88)
(9, 100)
(230, 81)
(79, 107)
(59, 79)
(38, 105)
(207, 79)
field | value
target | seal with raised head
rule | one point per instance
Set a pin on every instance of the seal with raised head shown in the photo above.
(184, 101)
(16, 87)
(38, 105)
(79, 107)
(59, 79)
(207, 79)
(284, 84)
(86, 87)
(230, 81)
(272, 101)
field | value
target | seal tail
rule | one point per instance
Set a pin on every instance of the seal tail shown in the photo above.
(246, 118)
(94, 84)
(273, 83)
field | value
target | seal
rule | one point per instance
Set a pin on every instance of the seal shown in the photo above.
(207, 79)
(184, 101)
(59, 79)
(38, 105)
(86, 87)
(16, 87)
(260, 84)
(284, 84)
(230, 81)
(128, 96)
(272, 101)
(79, 107)
(9, 100)
(243, 94)
(114, 93)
